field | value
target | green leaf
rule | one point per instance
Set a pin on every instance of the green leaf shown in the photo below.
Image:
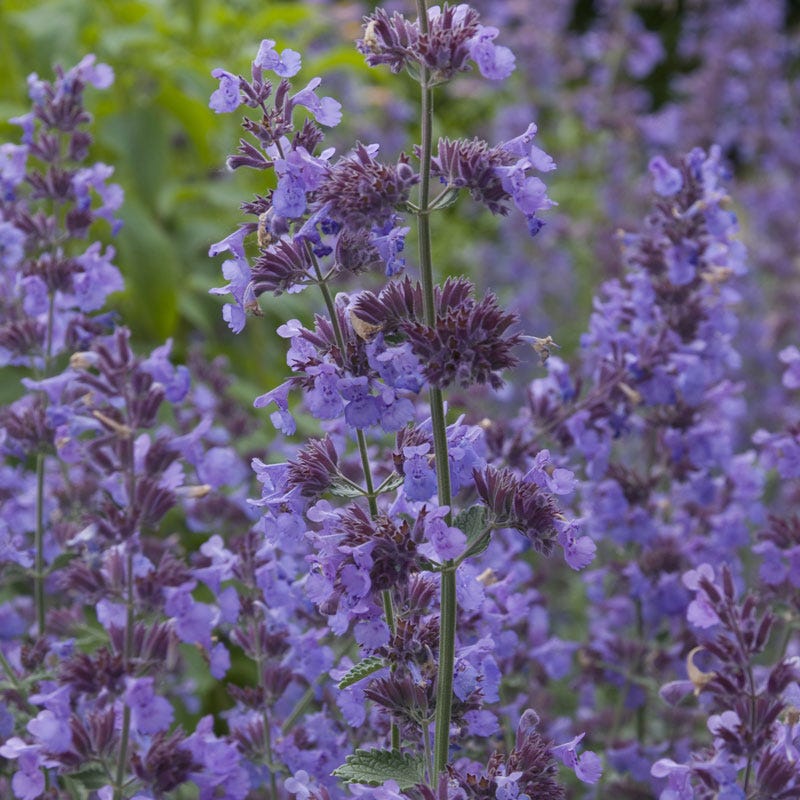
(390, 484)
(341, 487)
(90, 777)
(361, 670)
(474, 521)
(375, 767)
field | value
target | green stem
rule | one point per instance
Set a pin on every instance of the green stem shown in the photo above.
(448, 607)
(426, 745)
(444, 691)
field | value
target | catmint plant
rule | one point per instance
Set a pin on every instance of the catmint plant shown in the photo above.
(378, 363)
(89, 658)
(363, 602)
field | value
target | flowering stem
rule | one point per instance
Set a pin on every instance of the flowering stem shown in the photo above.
(447, 606)
(388, 606)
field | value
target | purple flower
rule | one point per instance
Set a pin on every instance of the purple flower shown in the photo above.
(396, 412)
(791, 357)
(397, 366)
(494, 62)
(682, 260)
(220, 774)
(390, 242)
(326, 110)
(448, 542)
(587, 767)
(149, 712)
(99, 277)
(677, 776)
(111, 615)
(175, 380)
(12, 548)
(667, 180)
(701, 610)
(219, 661)
(287, 64)
(12, 245)
(371, 634)
(363, 408)
(111, 195)
(13, 160)
(281, 419)
(420, 478)
(227, 97)
(298, 173)
(193, 620)
(101, 76)
(297, 785)
(578, 550)
(324, 400)
(28, 782)
(53, 732)
(528, 192)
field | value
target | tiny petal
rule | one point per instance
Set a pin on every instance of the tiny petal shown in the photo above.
(667, 180)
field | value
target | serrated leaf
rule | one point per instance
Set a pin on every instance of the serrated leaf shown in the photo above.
(360, 671)
(474, 521)
(344, 488)
(375, 767)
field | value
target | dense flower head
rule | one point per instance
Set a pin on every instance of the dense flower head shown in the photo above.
(520, 504)
(314, 468)
(497, 176)
(360, 192)
(470, 342)
(452, 37)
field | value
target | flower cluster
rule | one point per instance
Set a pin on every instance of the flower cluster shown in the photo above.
(442, 45)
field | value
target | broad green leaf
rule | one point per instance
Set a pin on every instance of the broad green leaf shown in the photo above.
(375, 767)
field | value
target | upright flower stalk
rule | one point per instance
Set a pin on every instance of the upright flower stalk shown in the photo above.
(364, 367)
(448, 610)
